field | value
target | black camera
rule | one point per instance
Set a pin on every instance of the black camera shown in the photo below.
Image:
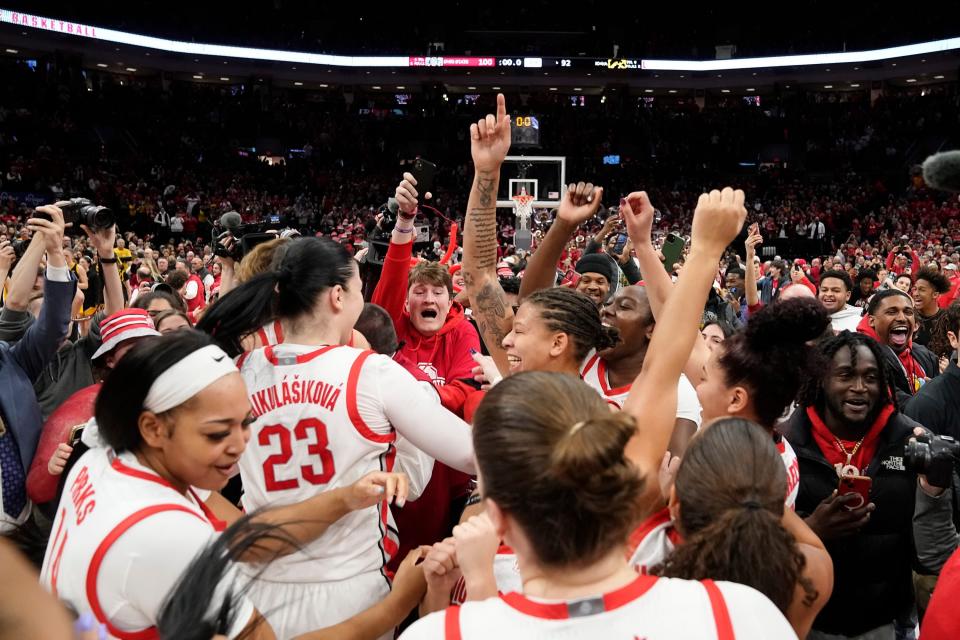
(933, 456)
(81, 211)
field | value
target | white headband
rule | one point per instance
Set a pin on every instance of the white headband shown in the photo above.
(187, 378)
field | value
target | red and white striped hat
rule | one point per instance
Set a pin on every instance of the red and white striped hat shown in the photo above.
(124, 325)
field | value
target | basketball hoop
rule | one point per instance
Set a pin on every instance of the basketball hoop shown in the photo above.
(523, 209)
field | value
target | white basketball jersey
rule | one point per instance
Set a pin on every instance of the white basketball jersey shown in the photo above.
(653, 541)
(792, 465)
(270, 334)
(594, 373)
(505, 572)
(308, 437)
(649, 608)
(103, 499)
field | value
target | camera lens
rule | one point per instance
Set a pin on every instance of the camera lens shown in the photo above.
(917, 456)
(97, 217)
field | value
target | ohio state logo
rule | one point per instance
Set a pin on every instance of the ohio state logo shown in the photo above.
(431, 371)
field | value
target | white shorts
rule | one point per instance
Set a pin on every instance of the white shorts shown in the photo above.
(294, 608)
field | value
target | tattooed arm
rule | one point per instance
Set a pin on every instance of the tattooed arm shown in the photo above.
(489, 143)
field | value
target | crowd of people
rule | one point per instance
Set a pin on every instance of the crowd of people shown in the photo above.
(328, 426)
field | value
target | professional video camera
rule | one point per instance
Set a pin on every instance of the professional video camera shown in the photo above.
(244, 237)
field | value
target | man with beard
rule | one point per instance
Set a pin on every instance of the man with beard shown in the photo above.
(891, 320)
(847, 424)
(612, 372)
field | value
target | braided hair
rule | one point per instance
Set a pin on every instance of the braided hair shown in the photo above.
(812, 393)
(576, 315)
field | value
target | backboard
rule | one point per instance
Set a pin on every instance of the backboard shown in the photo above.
(543, 177)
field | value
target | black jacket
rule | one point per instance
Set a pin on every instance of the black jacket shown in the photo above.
(872, 583)
(937, 405)
(927, 359)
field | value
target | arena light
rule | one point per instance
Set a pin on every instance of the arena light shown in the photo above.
(198, 77)
(101, 65)
(848, 57)
(855, 86)
(12, 51)
(69, 28)
(66, 27)
(938, 77)
(298, 84)
(131, 69)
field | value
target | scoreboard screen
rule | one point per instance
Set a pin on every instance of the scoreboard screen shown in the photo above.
(525, 131)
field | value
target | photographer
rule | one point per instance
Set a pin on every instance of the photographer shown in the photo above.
(934, 531)
(72, 369)
(937, 548)
(900, 254)
(20, 364)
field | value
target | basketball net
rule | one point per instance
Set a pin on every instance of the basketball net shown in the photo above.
(523, 208)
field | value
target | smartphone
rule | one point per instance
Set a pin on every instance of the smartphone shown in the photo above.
(76, 432)
(621, 243)
(859, 485)
(672, 250)
(424, 172)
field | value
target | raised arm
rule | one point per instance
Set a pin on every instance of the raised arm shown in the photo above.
(489, 144)
(630, 269)
(653, 397)
(102, 240)
(750, 280)
(41, 341)
(391, 290)
(637, 214)
(25, 275)
(7, 256)
(595, 243)
(580, 203)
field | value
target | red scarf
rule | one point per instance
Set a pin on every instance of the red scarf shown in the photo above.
(831, 451)
(912, 369)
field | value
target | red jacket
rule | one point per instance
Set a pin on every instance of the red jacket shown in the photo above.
(947, 299)
(894, 268)
(443, 357)
(941, 621)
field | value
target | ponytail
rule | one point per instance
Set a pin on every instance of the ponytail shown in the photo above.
(745, 544)
(241, 312)
(207, 597)
(301, 270)
(551, 454)
(731, 485)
